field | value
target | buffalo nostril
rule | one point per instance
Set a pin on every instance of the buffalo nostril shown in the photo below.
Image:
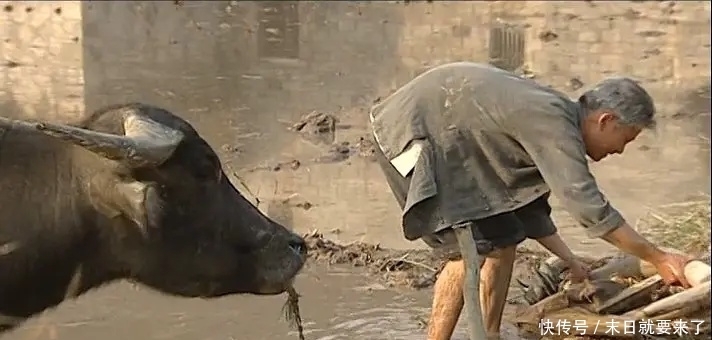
(298, 245)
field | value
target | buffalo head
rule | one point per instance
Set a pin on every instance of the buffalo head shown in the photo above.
(164, 209)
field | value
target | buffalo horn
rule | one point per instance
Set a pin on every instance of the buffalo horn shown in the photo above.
(144, 143)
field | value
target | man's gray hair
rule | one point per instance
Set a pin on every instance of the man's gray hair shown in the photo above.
(625, 98)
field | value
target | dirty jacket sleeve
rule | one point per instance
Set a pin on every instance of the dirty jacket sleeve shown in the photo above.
(553, 140)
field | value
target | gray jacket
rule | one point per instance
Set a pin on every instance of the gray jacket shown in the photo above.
(492, 142)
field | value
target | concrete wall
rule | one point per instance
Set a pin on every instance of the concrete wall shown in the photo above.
(41, 59)
(210, 62)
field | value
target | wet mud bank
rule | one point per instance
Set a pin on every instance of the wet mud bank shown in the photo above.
(415, 268)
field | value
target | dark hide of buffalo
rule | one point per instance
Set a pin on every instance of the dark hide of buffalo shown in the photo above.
(131, 193)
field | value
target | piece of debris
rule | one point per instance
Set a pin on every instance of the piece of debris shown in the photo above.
(296, 200)
(230, 148)
(570, 16)
(574, 84)
(548, 36)
(651, 34)
(367, 148)
(652, 52)
(304, 205)
(343, 148)
(525, 72)
(336, 153)
(12, 64)
(317, 127)
(292, 164)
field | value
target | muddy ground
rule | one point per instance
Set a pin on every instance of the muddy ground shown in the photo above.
(417, 268)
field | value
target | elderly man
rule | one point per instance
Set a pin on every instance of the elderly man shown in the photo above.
(467, 144)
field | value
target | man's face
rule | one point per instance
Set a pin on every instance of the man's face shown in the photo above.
(603, 134)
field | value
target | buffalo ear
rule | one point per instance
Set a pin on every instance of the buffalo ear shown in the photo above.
(136, 201)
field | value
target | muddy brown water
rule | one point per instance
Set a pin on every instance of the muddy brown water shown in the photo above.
(348, 291)
(337, 303)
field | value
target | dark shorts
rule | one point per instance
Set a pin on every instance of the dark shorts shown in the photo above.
(499, 231)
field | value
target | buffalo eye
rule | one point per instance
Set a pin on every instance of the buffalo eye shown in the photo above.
(208, 168)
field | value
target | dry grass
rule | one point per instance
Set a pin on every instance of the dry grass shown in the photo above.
(684, 226)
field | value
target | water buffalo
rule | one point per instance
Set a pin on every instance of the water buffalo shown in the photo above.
(133, 193)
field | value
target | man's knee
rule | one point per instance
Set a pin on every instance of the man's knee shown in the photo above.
(453, 269)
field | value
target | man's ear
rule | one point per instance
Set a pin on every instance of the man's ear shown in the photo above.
(606, 118)
(137, 201)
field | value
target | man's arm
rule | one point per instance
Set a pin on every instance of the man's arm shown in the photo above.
(554, 243)
(555, 144)
(556, 246)
(630, 241)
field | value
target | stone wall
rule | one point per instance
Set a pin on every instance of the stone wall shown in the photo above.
(348, 53)
(41, 59)
(242, 71)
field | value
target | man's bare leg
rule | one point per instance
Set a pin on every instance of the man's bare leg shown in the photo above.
(495, 276)
(447, 301)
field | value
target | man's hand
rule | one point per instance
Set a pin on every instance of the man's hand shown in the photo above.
(578, 271)
(671, 267)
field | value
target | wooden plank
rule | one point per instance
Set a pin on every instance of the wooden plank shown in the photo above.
(694, 297)
(697, 273)
(614, 304)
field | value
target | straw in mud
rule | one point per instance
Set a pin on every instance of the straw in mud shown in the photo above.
(684, 225)
(291, 312)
